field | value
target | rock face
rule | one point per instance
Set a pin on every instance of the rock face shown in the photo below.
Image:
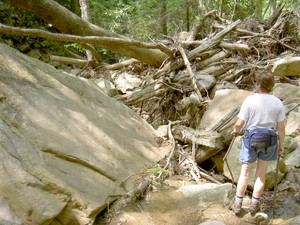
(224, 103)
(64, 145)
(289, 66)
(208, 193)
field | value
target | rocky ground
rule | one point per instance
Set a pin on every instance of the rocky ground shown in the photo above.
(168, 206)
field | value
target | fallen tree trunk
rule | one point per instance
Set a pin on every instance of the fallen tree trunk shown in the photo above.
(67, 60)
(209, 142)
(156, 89)
(235, 47)
(212, 42)
(120, 65)
(138, 96)
(53, 13)
(214, 58)
(206, 138)
(186, 102)
(205, 45)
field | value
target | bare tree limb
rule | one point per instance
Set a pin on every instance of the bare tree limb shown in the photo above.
(99, 41)
(69, 23)
(67, 60)
(192, 76)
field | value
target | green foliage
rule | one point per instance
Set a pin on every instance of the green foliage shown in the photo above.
(139, 19)
(157, 170)
(288, 139)
(75, 47)
(66, 3)
(128, 18)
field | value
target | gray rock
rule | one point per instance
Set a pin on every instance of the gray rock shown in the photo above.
(212, 223)
(65, 146)
(292, 221)
(207, 193)
(107, 87)
(288, 66)
(286, 91)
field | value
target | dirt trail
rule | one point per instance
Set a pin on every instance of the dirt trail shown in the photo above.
(167, 206)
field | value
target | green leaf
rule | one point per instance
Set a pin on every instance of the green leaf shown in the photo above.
(157, 170)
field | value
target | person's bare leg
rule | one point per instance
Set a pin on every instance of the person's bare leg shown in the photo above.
(260, 178)
(259, 184)
(241, 187)
(243, 179)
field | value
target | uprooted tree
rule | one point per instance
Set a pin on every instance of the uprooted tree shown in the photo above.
(69, 23)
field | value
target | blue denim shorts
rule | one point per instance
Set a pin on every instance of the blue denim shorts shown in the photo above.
(250, 155)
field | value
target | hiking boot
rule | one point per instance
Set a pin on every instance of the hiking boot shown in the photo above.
(254, 208)
(236, 207)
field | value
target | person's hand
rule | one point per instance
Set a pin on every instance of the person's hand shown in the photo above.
(280, 151)
(234, 133)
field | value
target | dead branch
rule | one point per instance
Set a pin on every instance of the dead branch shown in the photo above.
(138, 191)
(207, 138)
(72, 61)
(272, 20)
(154, 89)
(235, 47)
(197, 27)
(237, 73)
(215, 40)
(218, 70)
(214, 58)
(96, 55)
(99, 41)
(122, 64)
(173, 143)
(206, 45)
(192, 76)
(186, 102)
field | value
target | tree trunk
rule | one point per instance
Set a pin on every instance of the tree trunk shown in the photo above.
(85, 16)
(273, 6)
(105, 42)
(69, 23)
(163, 17)
(187, 10)
(259, 9)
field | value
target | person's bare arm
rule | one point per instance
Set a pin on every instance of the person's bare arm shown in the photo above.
(281, 135)
(238, 127)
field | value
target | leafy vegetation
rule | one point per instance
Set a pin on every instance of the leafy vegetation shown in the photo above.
(139, 19)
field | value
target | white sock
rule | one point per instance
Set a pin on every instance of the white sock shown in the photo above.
(238, 199)
(255, 200)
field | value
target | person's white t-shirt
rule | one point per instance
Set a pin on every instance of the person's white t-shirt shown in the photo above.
(261, 110)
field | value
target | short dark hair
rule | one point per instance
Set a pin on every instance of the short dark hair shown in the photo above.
(265, 79)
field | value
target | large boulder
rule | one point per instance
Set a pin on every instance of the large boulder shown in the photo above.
(288, 66)
(65, 147)
(226, 102)
(290, 94)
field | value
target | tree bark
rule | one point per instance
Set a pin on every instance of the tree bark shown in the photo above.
(69, 23)
(105, 42)
(85, 16)
(67, 60)
(163, 16)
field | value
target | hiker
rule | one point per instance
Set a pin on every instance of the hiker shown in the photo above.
(262, 116)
